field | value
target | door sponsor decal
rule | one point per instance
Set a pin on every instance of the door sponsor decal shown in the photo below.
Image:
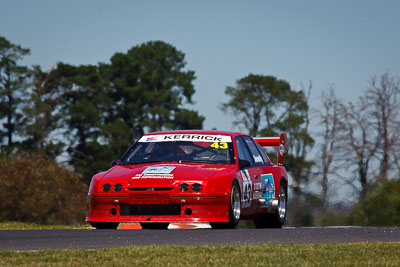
(257, 186)
(258, 159)
(268, 185)
(247, 189)
(257, 194)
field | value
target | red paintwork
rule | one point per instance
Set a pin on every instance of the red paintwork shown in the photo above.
(211, 204)
(274, 141)
(267, 141)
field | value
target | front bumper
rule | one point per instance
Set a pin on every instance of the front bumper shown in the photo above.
(158, 208)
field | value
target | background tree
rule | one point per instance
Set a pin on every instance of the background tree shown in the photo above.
(12, 86)
(383, 97)
(150, 82)
(186, 119)
(265, 105)
(370, 133)
(42, 116)
(361, 143)
(328, 164)
(86, 106)
(107, 106)
(254, 100)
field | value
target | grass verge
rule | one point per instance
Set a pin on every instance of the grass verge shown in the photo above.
(34, 226)
(357, 254)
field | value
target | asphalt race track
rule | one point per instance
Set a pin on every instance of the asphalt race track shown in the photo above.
(93, 239)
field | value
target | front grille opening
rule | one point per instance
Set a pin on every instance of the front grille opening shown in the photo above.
(150, 189)
(151, 210)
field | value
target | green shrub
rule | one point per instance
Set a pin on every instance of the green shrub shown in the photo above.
(381, 207)
(36, 189)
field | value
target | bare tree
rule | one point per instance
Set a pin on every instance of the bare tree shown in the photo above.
(383, 96)
(362, 140)
(328, 155)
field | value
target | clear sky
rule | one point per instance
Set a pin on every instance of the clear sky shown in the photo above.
(342, 42)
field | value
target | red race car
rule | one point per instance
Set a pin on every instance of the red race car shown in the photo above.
(192, 176)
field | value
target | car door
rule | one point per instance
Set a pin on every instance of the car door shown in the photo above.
(269, 175)
(260, 182)
(249, 176)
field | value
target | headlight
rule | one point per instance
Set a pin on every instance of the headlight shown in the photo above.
(196, 187)
(117, 187)
(106, 187)
(184, 187)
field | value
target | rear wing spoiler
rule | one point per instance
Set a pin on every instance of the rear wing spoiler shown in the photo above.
(280, 142)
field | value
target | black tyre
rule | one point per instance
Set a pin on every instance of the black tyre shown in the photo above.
(104, 225)
(276, 219)
(154, 225)
(234, 209)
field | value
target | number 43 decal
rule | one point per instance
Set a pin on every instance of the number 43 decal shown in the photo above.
(222, 145)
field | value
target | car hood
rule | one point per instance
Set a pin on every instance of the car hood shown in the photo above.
(163, 173)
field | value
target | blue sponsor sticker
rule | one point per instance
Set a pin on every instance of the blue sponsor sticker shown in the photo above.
(268, 186)
(159, 169)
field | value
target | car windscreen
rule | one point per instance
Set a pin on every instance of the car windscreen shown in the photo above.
(196, 148)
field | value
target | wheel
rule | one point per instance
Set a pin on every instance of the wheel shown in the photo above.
(154, 225)
(276, 219)
(234, 209)
(104, 225)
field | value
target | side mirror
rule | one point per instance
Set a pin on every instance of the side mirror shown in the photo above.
(115, 162)
(243, 164)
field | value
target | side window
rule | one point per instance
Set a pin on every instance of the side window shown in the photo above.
(243, 152)
(263, 153)
(257, 156)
